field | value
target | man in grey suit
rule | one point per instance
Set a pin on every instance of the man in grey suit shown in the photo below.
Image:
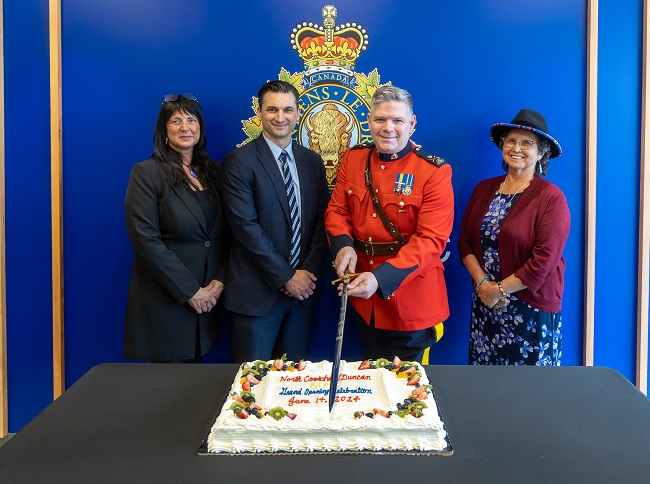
(275, 195)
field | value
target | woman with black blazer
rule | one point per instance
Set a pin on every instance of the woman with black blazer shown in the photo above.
(176, 225)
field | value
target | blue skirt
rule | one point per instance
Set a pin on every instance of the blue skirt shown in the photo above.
(516, 334)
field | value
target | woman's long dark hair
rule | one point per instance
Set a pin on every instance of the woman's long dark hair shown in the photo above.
(170, 160)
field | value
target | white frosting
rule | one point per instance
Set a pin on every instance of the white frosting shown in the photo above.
(306, 394)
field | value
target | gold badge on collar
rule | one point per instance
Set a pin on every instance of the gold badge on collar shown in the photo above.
(404, 184)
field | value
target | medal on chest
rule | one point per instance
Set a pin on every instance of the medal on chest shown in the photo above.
(404, 184)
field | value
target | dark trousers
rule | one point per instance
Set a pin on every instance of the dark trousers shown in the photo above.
(284, 329)
(386, 343)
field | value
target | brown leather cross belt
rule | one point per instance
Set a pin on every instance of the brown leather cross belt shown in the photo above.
(377, 248)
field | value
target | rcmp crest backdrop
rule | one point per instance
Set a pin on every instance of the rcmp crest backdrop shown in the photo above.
(334, 98)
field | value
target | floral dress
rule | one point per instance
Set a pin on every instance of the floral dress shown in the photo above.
(515, 334)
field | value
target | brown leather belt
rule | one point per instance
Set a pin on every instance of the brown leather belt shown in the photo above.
(371, 248)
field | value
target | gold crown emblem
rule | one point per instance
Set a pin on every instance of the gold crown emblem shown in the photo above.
(330, 47)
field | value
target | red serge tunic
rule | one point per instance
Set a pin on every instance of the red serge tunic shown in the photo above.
(412, 294)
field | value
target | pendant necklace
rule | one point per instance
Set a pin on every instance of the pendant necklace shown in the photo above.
(512, 197)
(192, 171)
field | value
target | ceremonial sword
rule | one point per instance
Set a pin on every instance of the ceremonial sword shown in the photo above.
(339, 336)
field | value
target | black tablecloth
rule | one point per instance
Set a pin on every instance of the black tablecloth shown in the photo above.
(145, 423)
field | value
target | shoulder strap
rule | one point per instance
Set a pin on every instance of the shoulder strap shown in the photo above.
(394, 231)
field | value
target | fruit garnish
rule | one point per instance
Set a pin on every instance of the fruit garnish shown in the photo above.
(291, 416)
(413, 380)
(277, 413)
(250, 371)
(301, 365)
(409, 370)
(259, 364)
(254, 410)
(416, 412)
(381, 362)
(402, 412)
(379, 411)
(236, 407)
(250, 378)
(419, 405)
(396, 361)
(365, 365)
(418, 390)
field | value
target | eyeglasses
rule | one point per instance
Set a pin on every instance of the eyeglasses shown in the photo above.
(190, 96)
(524, 144)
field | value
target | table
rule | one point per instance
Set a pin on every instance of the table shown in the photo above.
(145, 423)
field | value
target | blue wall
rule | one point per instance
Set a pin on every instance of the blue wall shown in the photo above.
(467, 64)
(619, 117)
(27, 207)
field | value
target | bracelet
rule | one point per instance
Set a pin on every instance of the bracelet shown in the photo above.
(483, 279)
(503, 293)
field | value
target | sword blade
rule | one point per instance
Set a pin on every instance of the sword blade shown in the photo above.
(339, 343)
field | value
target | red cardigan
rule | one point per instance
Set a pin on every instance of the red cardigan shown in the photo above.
(531, 239)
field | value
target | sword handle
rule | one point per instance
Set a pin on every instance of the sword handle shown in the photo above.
(349, 277)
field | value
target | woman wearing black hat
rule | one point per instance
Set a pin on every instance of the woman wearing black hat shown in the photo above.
(511, 240)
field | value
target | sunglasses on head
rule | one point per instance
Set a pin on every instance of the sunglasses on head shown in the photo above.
(190, 96)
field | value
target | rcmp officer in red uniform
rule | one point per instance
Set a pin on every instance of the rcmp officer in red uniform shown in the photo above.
(388, 220)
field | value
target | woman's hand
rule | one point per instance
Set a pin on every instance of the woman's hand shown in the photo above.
(490, 295)
(203, 301)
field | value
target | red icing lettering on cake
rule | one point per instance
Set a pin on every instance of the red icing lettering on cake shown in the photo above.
(296, 379)
(344, 376)
(298, 401)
